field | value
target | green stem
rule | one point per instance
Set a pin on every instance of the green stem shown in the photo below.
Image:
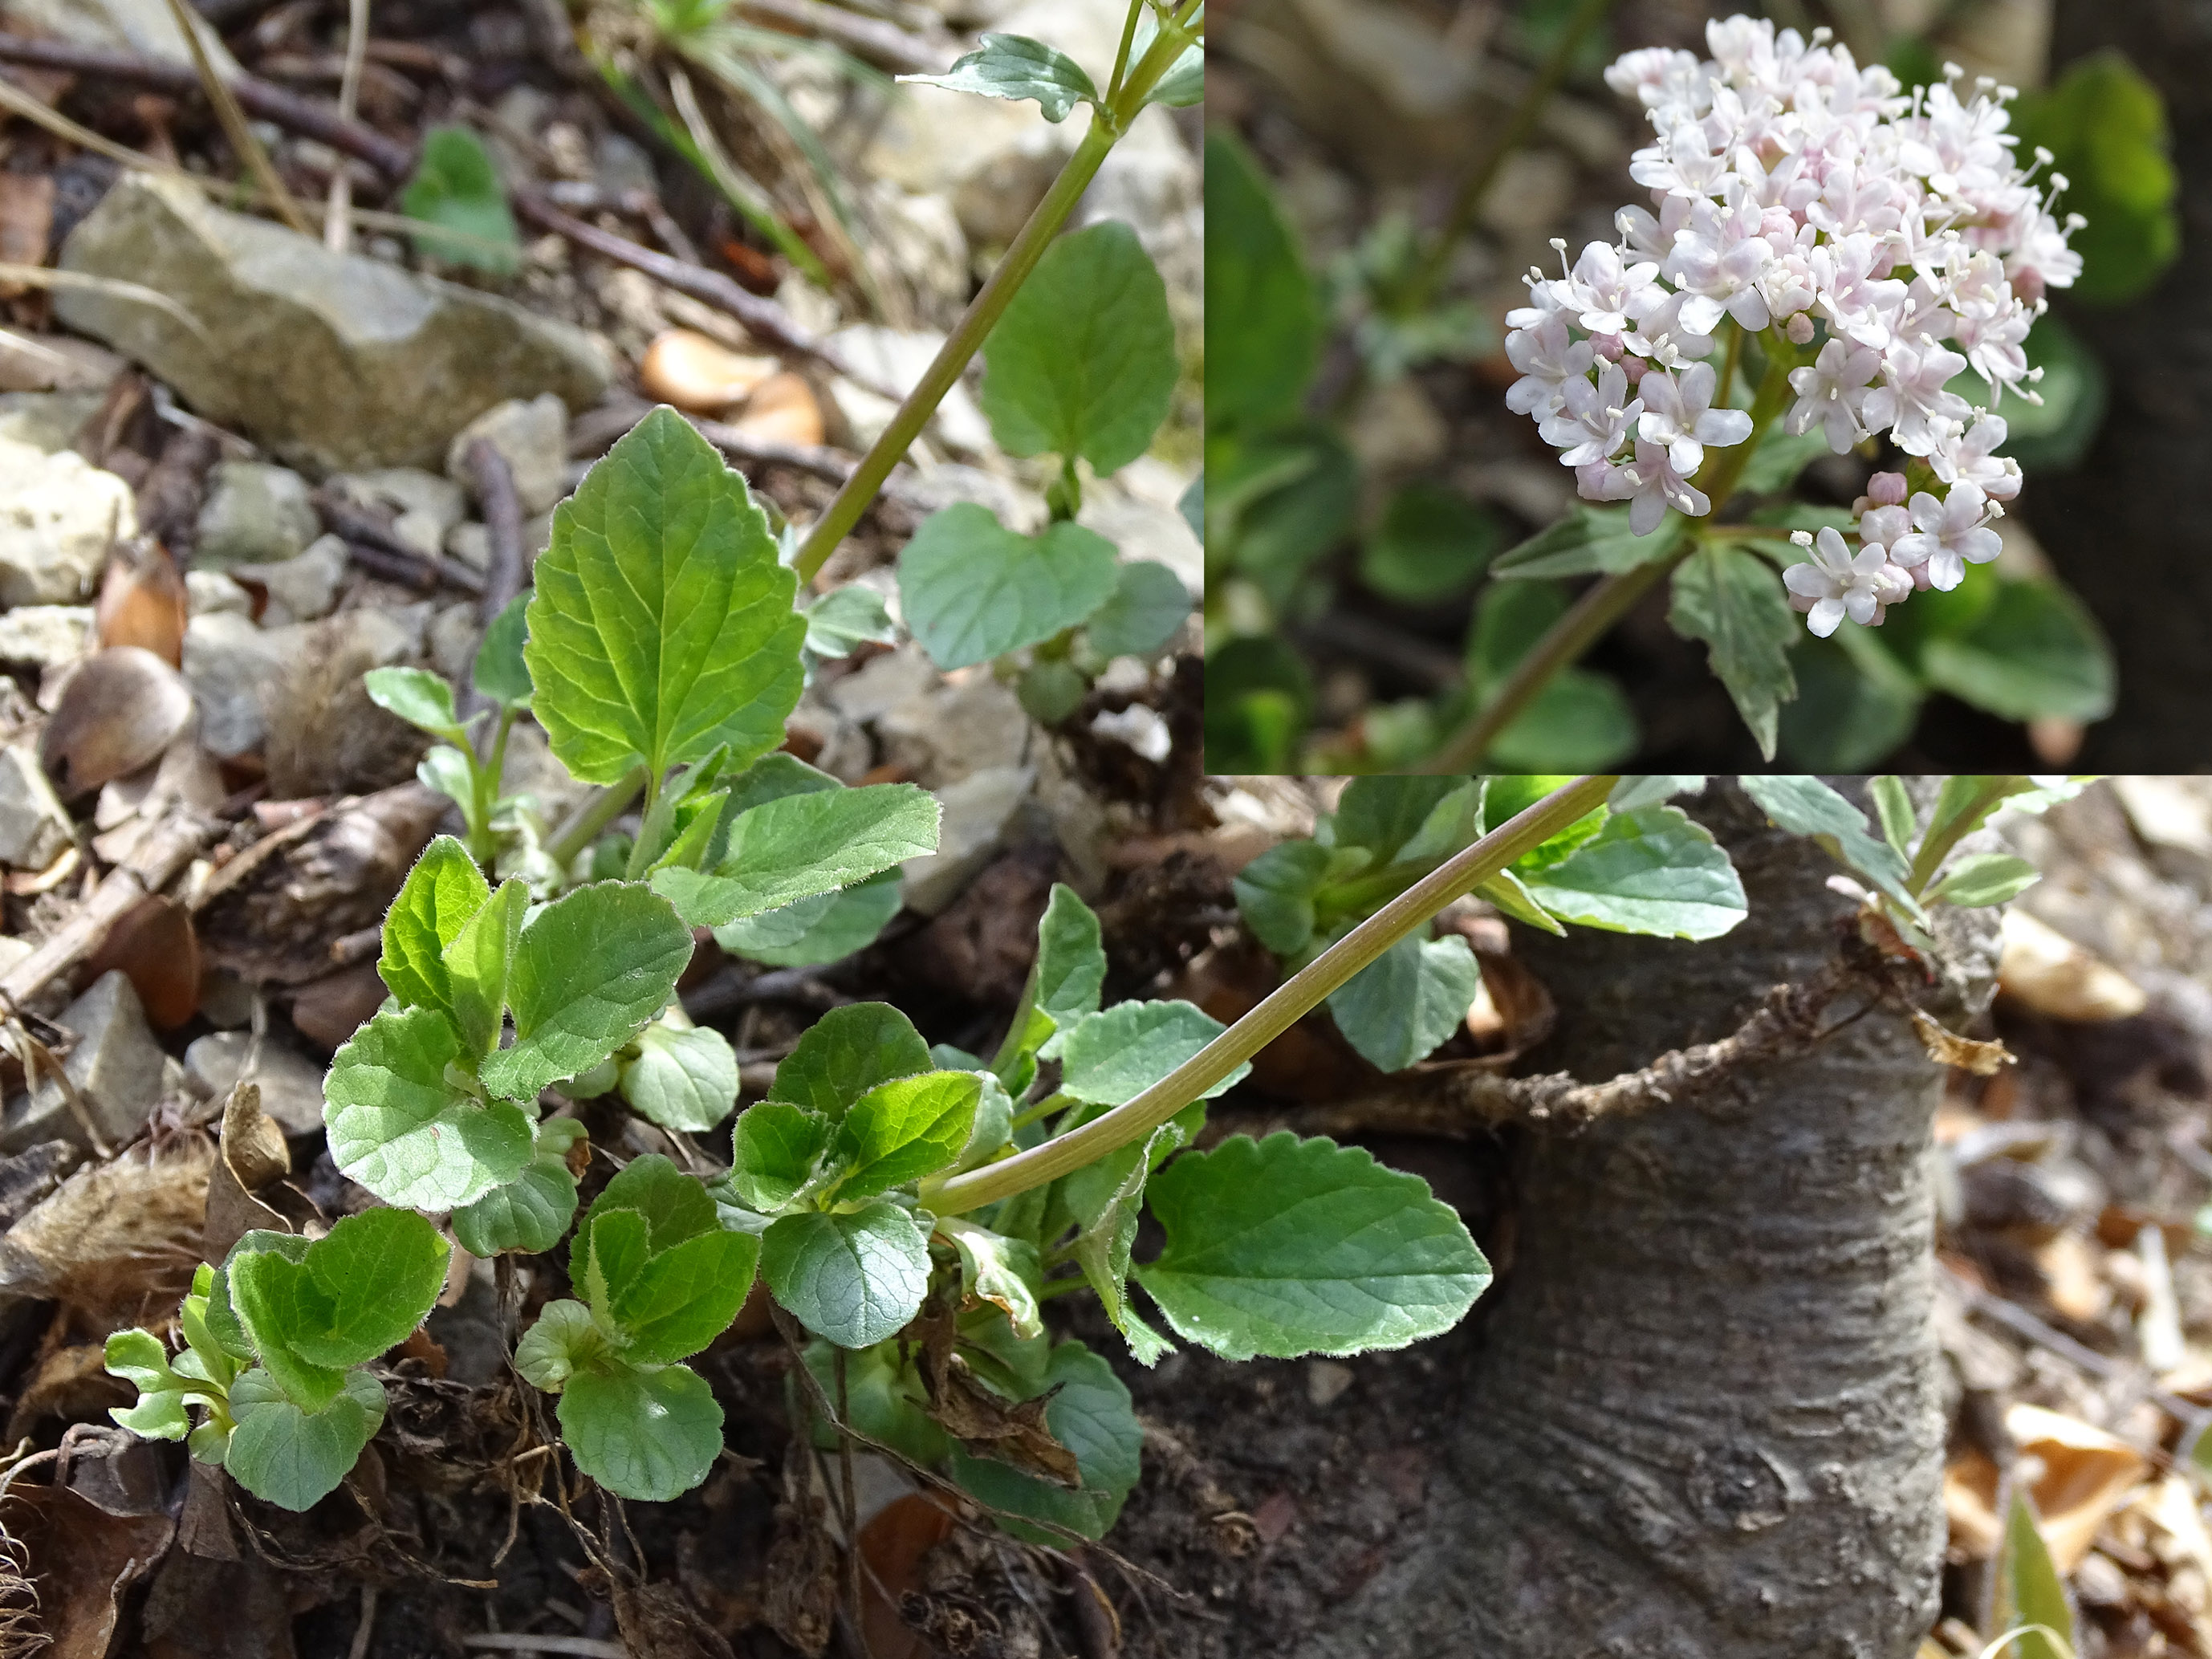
(483, 791)
(1283, 1008)
(583, 827)
(1121, 55)
(1594, 615)
(1522, 123)
(1107, 126)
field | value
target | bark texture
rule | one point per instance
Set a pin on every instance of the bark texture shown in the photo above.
(1706, 1418)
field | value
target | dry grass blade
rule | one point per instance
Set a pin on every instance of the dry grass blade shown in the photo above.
(41, 277)
(20, 1632)
(735, 183)
(249, 147)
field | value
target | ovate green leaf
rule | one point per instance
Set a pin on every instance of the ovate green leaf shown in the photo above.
(294, 1458)
(1733, 600)
(1115, 1056)
(800, 846)
(1285, 1247)
(663, 624)
(1015, 67)
(649, 1435)
(854, 1278)
(401, 1129)
(1651, 871)
(1399, 1007)
(973, 590)
(846, 1053)
(683, 1077)
(1084, 361)
(905, 1129)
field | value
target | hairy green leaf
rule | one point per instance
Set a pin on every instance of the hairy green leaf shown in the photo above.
(1015, 67)
(854, 1278)
(1115, 1056)
(1733, 600)
(1265, 321)
(905, 1129)
(401, 1129)
(1806, 807)
(683, 1077)
(828, 927)
(774, 1149)
(592, 968)
(1083, 362)
(499, 671)
(456, 187)
(421, 698)
(1147, 608)
(973, 590)
(1399, 1007)
(662, 626)
(846, 1053)
(1285, 1247)
(649, 1435)
(294, 1458)
(1651, 871)
(531, 1212)
(800, 846)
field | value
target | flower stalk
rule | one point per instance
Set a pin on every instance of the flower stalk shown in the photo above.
(1283, 1007)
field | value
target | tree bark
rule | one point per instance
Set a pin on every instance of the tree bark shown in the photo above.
(1706, 1419)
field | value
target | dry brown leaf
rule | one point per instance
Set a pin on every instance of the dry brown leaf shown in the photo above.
(684, 367)
(783, 409)
(120, 709)
(142, 602)
(2044, 969)
(252, 1155)
(893, 1542)
(83, 1564)
(154, 946)
(2080, 1477)
(1012, 1431)
(1948, 1049)
(68, 1385)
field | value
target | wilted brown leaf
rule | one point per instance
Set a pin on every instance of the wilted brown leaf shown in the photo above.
(154, 945)
(84, 1562)
(142, 602)
(120, 709)
(1948, 1049)
(117, 1242)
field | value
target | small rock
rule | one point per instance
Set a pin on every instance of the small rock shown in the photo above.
(47, 420)
(969, 725)
(33, 828)
(684, 367)
(230, 664)
(209, 590)
(408, 490)
(335, 360)
(900, 359)
(977, 809)
(1140, 727)
(1145, 530)
(116, 1067)
(882, 683)
(58, 516)
(256, 513)
(47, 636)
(291, 1085)
(302, 588)
(452, 638)
(472, 543)
(532, 437)
(947, 484)
(1326, 1382)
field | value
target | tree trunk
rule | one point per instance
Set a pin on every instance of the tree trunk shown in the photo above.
(1705, 1420)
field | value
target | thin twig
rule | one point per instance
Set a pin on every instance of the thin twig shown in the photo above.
(502, 516)
(584, 1647)
(372, 545)
(883, 43)
(337, 228)
(250, 148)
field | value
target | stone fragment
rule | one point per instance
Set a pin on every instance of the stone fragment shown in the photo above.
(336, 360)
(33, 828)
(231, 665)
(532, 434)
(978, 811)
(55, 363)
(212, 590)
(58, 516)
(301, 589)
(255, 514)
(47, 420)
(45, 636)
(291, 1085)
(472, 543)
(899, 360)
(968, 726)
(116, 1068)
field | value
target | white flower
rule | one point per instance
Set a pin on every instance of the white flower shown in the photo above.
(1719, 257)
(1653, 483)
(1914, 399)
(1548, 357)
(1678, 413)
(1971, 458)
(1834, 583)
(1594, 422)
(1949, 535)
(1832, 391)
(1606, 293)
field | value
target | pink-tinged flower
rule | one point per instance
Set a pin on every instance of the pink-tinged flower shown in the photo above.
(1884, 527)
(1678, 414)
(1593, 424)
(1548, 357)
(1605, 293)
(1852, 296)
(1681, 164)
(2043, 260)
(1971, 458)
(1832, 394)
(1948, 536)
(1835, 583)
(1884, 489)
(1651, 483)
(1914, 400)
(1719, 258)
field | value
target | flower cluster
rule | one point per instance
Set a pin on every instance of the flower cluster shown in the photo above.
(1805, 198)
